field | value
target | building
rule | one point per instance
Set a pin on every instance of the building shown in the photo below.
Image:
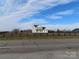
(39, 29)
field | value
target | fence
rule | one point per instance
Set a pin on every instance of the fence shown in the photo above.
(29, 35)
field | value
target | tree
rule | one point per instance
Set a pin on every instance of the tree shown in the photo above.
(16, 31)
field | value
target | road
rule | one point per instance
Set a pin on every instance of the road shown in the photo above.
(39, 49)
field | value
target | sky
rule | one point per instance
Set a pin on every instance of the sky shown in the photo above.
(53, 14)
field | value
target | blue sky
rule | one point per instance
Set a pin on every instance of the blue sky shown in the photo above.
(53, 14)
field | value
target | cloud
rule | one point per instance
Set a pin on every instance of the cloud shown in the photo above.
(54, 17)
(10, 13)
(62, 27)
(66, 1)
(66, 12)
(30, 6)
(31, 23)
(61, 14)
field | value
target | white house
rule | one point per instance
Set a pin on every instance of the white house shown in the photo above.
(39, 29)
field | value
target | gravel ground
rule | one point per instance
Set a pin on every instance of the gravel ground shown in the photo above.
(53, 54)
(39, 49)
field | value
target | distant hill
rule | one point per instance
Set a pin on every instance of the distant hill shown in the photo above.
(75, 30)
